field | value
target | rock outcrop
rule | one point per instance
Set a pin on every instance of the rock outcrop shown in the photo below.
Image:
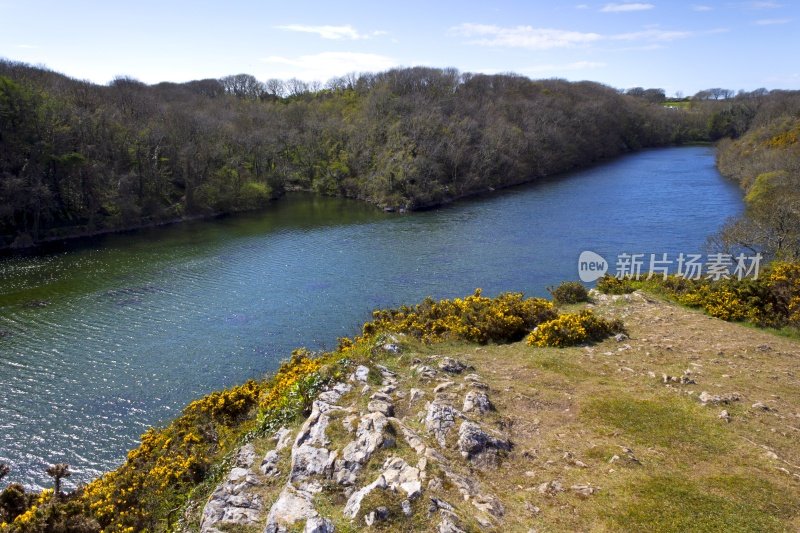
(378, 425)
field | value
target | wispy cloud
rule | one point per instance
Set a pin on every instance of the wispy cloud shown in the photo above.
(332, 32)
(548, 38)
(524, 36)
(625, 7)
(771, 22)
(582, 6)
(652, 35)
(326, 65)
(701, 7)
(764, 5)
(26, 46)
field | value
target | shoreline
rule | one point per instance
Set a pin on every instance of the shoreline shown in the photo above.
(44, 245)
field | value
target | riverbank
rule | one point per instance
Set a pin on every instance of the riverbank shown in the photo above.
(685, 423)
(10, 245)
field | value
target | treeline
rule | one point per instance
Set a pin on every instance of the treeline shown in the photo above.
(78, 158)
(766, 162)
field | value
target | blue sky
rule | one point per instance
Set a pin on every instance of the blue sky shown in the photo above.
(678, 46)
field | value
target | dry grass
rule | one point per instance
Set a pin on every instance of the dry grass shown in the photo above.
(688, 470)
(601, 416)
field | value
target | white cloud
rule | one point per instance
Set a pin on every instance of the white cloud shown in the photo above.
(332, 32)
(764, 5)
(26, 46)
(547, 38)
(582, 6)
(625, 7)
(699, 7)
(651, 35)
(326, 65)
(524, 36)
(771, 22)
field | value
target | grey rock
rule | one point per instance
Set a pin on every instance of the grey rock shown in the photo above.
(310, 460)
(550, 488)
(398, 474)
(439, 418)
(441, 387)
(383, 396)
(269, 465)
(246, 456)
(414, 395)
(380, 514)
(477, 401)
(405, 506)
(353, 505)
(453, 366)
(724, 415)
(292, 506)
(392, 348)
(425, 372)
(447, 525)
(473, 442)
(283, 438)
(380, 406)
(584, 490)
(489, 505)
(707, 398)
(318, 524)
(369, 436)
(361, 373)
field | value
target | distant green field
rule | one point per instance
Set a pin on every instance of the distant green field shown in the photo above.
(685, 104)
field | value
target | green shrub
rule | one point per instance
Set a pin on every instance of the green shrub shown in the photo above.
(569, 292)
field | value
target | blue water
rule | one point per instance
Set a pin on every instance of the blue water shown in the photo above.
(109, 337)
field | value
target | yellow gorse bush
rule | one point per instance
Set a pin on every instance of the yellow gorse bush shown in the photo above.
(476, 318)
(772, 300)
(288, 379)
(572, 329)
(167, 458)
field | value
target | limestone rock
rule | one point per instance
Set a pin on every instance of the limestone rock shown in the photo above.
(473, 442)
(453, 366)
(318, 524)
(439, 418)
(707, 398)
(360, 374)
(477, 401)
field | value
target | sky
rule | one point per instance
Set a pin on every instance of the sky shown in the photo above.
(679, 46)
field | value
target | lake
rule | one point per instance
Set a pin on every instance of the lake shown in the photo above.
(110, 336)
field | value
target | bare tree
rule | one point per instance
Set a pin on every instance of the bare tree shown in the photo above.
(243, 86)
(58, 472)
(275, 87)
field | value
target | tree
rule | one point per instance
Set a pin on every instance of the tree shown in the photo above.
(58, 472)
(243, 86)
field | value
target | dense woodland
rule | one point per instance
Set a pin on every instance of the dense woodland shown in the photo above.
(766, 162)
(78, 158)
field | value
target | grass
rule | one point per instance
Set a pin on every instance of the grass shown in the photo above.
(688, 470)
(551, 360)
(668, 422)
(675, 504)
